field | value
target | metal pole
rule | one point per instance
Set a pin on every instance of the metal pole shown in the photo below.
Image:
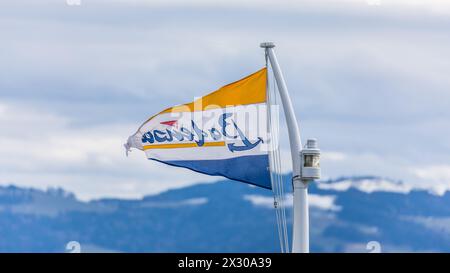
(300, 237)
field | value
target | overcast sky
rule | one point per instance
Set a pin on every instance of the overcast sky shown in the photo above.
(369, 79)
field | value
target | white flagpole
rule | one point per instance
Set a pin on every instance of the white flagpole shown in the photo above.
(300, 237)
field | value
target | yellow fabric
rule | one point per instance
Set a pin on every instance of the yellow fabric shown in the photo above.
(183, 145)
(248, 90)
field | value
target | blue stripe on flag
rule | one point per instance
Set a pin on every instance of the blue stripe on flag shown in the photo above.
(253, 169)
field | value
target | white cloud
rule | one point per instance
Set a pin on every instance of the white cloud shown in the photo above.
(436, 173)
(437, 177)
(260, 200)
(367, 185)
(342, 59)
(175, 204)
(333, 156)
(41, 149)
(436, 224)
(431, 5)
(323, 202)
(371, 185)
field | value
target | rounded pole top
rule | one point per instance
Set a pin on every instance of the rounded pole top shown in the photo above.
(267, 45)
(311, 143)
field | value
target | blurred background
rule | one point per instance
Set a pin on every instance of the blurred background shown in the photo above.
(368, 78)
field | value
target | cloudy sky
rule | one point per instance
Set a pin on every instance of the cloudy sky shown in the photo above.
(369, 79)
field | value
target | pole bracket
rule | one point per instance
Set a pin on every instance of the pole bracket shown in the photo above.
(298, 182)
(267, 45)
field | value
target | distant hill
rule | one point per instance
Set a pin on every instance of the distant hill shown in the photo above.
(226, 216)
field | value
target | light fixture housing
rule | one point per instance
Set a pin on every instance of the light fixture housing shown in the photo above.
(310, 160)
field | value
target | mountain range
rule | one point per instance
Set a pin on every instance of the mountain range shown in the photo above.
(348, 214)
